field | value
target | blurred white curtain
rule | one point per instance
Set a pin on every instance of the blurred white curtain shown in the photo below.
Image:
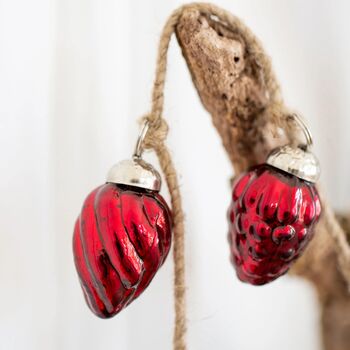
(74, 77)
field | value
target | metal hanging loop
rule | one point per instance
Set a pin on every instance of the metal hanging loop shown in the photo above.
(304, 128)
(298, 161)
(139, 147)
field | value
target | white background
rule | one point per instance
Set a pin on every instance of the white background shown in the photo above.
(74, 77)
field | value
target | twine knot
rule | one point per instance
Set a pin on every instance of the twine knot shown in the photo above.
(156, 134)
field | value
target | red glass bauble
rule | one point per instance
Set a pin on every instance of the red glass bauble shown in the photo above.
(271, 220)
(121, 239)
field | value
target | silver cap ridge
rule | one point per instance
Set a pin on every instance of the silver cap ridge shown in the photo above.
(295, 161)
(135, 172)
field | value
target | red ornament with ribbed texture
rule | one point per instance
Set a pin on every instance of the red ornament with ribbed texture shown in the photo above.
(271, 221)
(121, 239)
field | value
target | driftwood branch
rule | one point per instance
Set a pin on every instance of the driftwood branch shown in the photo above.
(228, 68)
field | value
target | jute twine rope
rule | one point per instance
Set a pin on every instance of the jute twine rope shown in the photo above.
(158, 130)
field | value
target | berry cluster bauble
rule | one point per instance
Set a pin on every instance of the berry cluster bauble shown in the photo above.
(274, 209)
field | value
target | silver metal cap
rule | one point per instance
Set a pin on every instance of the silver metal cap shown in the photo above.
(135, 172)
(295, 161)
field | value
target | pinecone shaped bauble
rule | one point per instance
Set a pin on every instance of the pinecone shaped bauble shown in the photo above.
(272, 215)
(121, 237)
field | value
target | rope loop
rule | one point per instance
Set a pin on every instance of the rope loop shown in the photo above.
(156, 134)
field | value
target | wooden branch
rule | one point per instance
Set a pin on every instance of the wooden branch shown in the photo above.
(231, 85)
